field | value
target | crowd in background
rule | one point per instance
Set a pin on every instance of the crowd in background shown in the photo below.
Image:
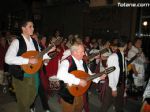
(136, 75)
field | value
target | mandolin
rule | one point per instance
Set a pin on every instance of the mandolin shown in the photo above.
(77, 90)
(131, 60)
(33, 68)
(91, 57)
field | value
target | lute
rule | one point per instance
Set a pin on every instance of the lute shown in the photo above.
(33, 68)
(77, 90)
(90, 58)
(131, 60)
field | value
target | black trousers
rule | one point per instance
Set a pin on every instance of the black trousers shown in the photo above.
(117, 101)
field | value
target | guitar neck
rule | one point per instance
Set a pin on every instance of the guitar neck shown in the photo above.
(52, 54)
(40, 55)
(95, 76)
(106, 71)
(93, 55)
(131, 60)
(100, 52)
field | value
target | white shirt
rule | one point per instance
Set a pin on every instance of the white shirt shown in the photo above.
(106, 54)
(69, 78)
(132, 52)
(113, 76)
(11, 57)
(66, 54)
(139, 61)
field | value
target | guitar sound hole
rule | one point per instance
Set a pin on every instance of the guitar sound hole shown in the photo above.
(31, 66)
(77, 88)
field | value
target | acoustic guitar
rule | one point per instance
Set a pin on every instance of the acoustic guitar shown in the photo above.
(77, 90)
(129, 65)
(33, 68)
(90, 58)
(53, 54)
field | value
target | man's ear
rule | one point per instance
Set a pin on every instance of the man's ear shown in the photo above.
(22, 28)
(75, 52)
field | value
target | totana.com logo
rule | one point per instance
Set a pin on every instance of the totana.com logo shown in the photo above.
(133, 4)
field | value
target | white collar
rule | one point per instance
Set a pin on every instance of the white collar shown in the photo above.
(26, 38)
(77, 61)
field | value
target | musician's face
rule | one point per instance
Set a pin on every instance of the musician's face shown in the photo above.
(28, 29)
(43, 40)
(114, 48)
(80, 52)
(107, 45)
(138, 43)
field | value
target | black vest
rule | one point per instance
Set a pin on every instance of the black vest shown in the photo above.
(122, 73)
(16, 70)
(64, 93)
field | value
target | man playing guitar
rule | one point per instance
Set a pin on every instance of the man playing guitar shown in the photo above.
(73, 103)
(25, 84)
(138, 63)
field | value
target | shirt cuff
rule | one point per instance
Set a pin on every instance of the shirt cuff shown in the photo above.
(46, 56)
(114, 89)
(45, 64)
(97, 80)
(76, 81)
(25, 61)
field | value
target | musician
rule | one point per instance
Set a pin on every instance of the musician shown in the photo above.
(26, 85)
(93, 63)
(70, 39)
(73, 62)
(114, 90)
(129, 46)
(139, 63)
(103, 65)
(104, 56)
(42, 91)
(87, 43)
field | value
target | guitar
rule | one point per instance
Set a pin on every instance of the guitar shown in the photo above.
(77, 90)
(33, 68)
(129, 65)
(52, 54)
(91, 57)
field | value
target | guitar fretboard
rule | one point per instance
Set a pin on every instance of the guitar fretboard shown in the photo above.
(40, 55)
(106, 71)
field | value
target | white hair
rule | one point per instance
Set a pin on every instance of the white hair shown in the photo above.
(75, 46)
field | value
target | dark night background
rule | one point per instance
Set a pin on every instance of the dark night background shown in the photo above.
(77, 17)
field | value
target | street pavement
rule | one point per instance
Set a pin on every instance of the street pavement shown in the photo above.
(8, 103)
